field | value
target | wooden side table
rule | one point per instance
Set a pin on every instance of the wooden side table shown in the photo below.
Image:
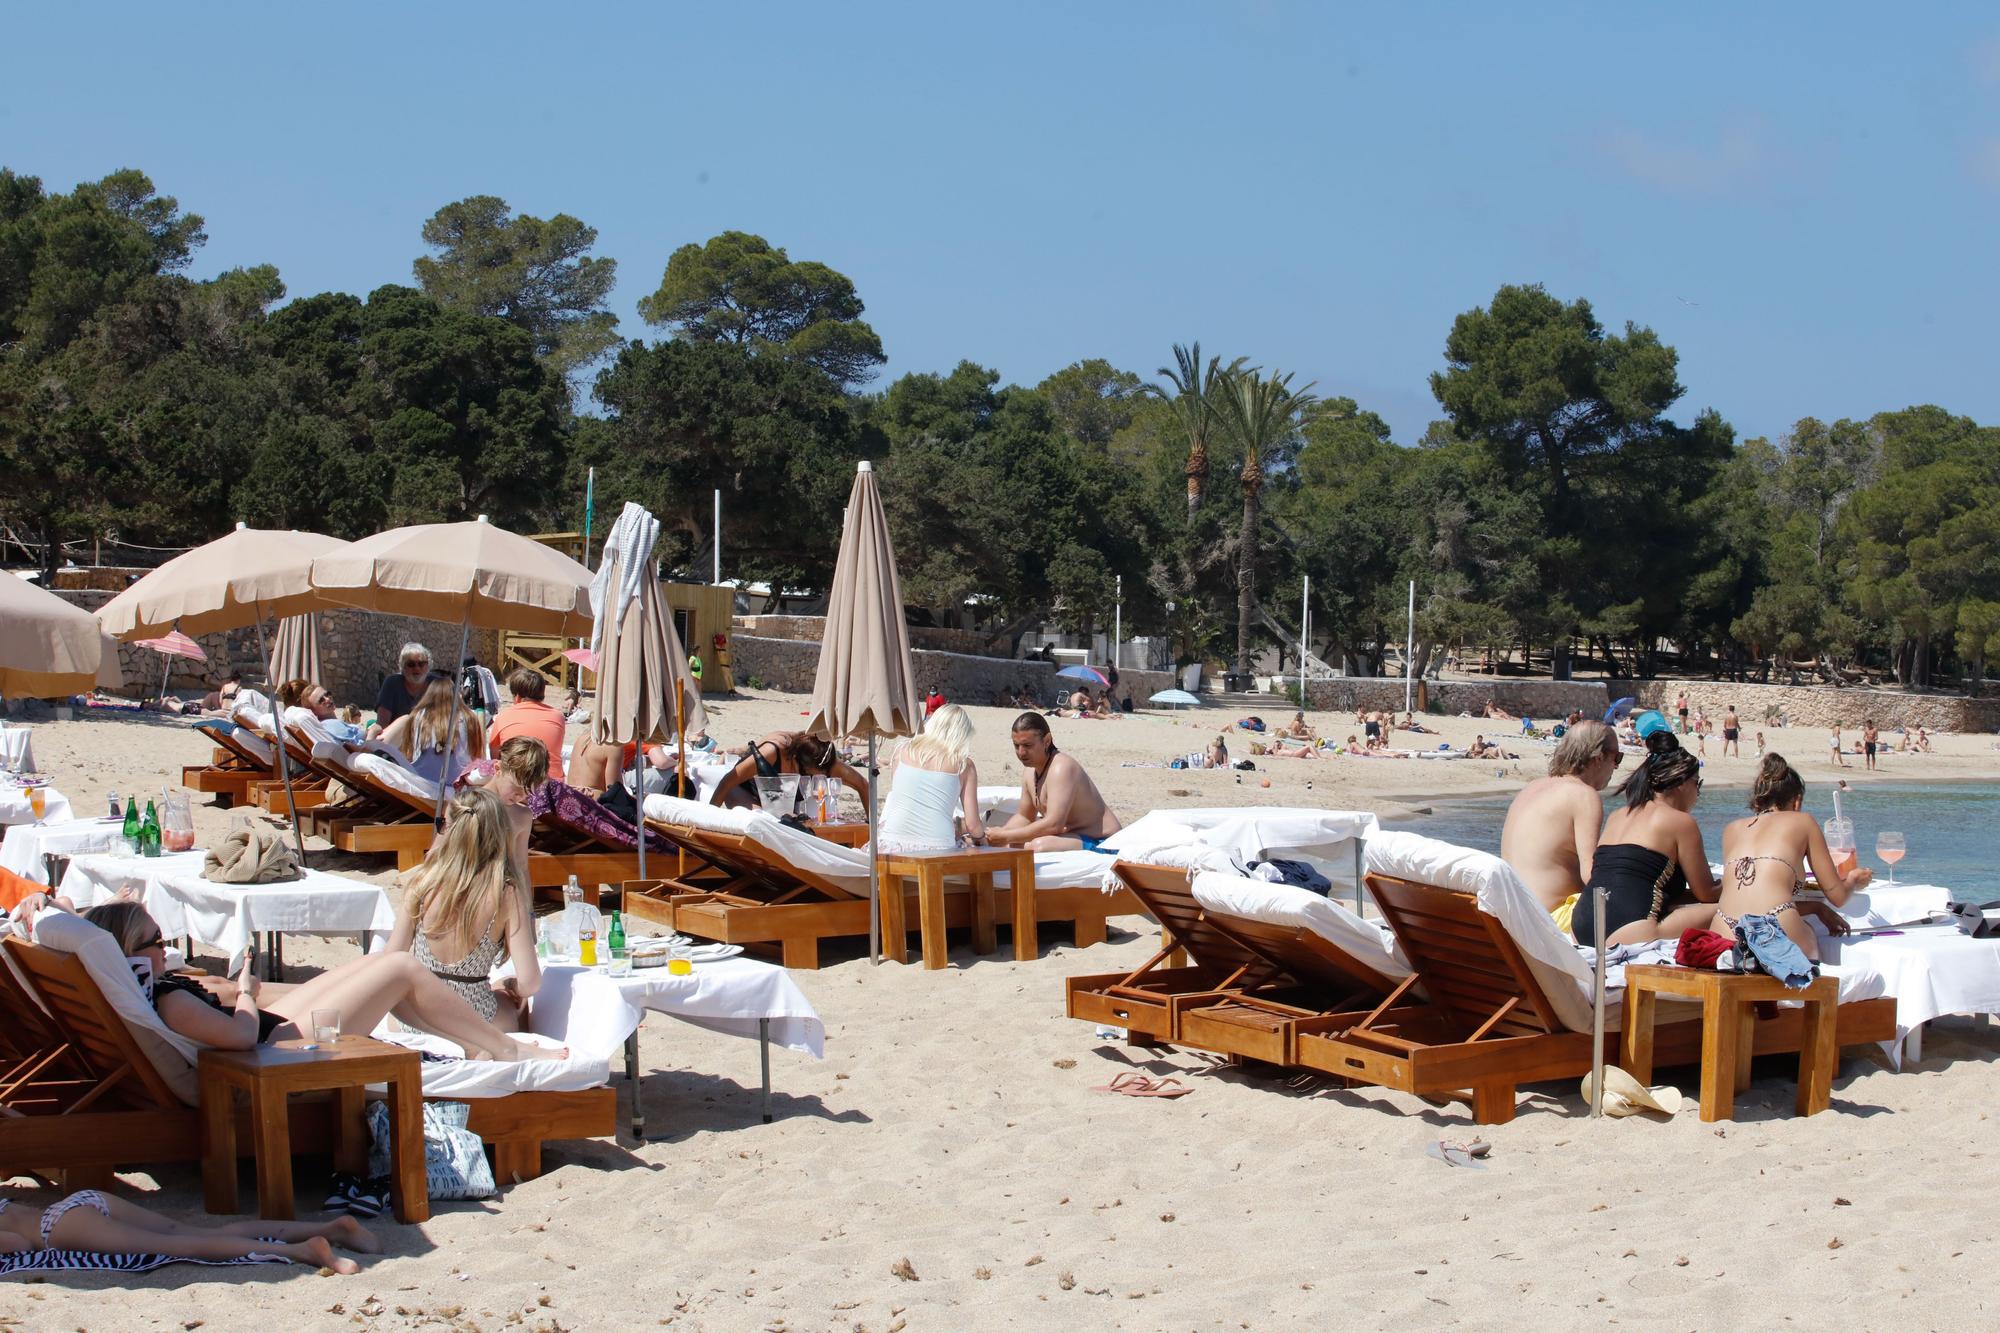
(929, 870)
(269, 1075)
(1726, 1037)
(846, 833)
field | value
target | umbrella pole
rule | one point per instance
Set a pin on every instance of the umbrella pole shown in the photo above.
(1597, 897)
(639, 796)
(874, 886)
(680, 780)
(445, 774)
(284, 760)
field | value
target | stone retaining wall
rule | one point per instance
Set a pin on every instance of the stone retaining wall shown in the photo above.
(1523, 698)
(790, 664)
(357, 651)
(813, 629)
(1816, 705)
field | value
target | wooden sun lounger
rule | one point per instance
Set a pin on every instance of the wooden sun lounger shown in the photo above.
(131, 1117)
(1487, 1026)
(230, 772)
(1249, 990)
(740, 892)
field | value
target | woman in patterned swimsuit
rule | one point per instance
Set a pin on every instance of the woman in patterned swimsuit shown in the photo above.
(98, 1223)
(1761, 858)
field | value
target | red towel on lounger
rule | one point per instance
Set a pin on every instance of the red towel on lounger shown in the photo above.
(1700, 948)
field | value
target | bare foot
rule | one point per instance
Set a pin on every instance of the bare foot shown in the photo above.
(318, 1253)
(349, 1234)
(528, 1051)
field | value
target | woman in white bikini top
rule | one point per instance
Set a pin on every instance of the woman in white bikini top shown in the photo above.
(1762, 856)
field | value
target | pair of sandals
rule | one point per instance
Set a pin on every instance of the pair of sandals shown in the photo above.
(362, 1198)
(1140, 1085)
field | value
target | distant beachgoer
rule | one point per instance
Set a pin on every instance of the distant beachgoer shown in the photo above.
(1298, 730)
(1760, 745)
(1731, 729)
(1550, 834)
(1218, 754)
(400, 694)
(1839, 755)
(1681, 708)
(933, 701)
(1061, 808)
(1869, 738)
(527, 715)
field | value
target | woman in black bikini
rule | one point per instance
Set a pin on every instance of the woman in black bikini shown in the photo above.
(1650, 853)
(785, 752)
(1762, 856)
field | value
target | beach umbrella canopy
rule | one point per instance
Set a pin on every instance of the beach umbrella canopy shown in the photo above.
(233, 581)
(865, 685)
(175, 644)
(1618, 710)
(1178, 698)
(583, 657)
(472, 573)
(48, 648)
(295, 651)
(1089, 673)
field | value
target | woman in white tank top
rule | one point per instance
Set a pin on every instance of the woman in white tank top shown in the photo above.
(934, 778)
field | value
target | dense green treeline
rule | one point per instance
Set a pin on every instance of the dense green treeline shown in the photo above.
(1557, 503)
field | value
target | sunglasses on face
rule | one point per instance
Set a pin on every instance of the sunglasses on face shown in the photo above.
(157, 942)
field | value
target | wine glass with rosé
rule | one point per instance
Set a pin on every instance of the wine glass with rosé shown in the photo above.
(1891, 849)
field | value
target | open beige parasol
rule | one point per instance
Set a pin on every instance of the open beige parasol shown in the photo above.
(643, 687)
(233, 581)
(48, 648)
(236, 580)
(473, 573)
(865, 685)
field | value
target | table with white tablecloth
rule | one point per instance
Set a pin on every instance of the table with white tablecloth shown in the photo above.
(27, 847)
(1931, 969)
(228, 916)
(595, 1012)
(17, 748)
(16, 809)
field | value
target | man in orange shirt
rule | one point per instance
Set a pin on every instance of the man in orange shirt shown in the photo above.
(529, 716)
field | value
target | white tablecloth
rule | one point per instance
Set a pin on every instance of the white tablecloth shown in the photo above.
(1931, 970)
(225, 916)
(27, 844)
(14, 807)
(593, 1012)
(17, 748)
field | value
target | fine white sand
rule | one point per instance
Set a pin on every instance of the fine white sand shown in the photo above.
(951, 1126)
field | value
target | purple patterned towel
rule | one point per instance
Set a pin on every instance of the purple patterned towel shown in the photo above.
(577, 811)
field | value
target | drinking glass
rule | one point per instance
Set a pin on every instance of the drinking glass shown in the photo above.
(1890, 848)
(678, 962)
(325, 1028)
(38, 801)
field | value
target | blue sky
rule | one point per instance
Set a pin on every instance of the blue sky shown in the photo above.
(1799, 198)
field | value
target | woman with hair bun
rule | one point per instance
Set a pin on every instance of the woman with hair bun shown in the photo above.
(1651, 853)
(1762, 858)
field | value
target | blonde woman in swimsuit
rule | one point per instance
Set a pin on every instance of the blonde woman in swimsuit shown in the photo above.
(1763, 859)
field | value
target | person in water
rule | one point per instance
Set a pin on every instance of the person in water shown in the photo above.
(1762, 858)
(1650, 853)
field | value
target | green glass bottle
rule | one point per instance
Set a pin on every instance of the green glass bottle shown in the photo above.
(131, 830)
(616, 939)
(149, 833)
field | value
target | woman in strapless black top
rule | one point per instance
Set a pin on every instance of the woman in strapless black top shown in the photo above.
(1650, 854)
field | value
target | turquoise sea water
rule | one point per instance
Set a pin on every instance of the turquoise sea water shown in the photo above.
(1951, 828)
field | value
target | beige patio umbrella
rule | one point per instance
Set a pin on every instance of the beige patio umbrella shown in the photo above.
(48, 648)
(865, 685)
(295, 650)
(473, 573)
(236, 580)
(643, 687)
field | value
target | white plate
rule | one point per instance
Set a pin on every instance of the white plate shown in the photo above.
(657, 943)
(713, 953)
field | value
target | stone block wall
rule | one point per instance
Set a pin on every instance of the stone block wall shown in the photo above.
(1523, 698)
(813, 629)
(1816, 705)
(790, 664)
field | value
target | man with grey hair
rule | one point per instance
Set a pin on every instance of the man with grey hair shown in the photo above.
(399, 693)
(1551, 831)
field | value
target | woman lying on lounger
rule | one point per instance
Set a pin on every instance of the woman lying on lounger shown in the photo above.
(464, 895)
(98, 1223)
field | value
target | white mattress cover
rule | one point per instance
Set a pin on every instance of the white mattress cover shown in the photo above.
(1291, 906)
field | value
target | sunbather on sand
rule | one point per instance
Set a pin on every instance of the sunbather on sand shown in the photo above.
(1499, 714)
(100, 1223)
(1304, 749)
(1061, 808)
(1298, 730)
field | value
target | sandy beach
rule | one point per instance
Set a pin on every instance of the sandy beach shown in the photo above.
(947, 1166)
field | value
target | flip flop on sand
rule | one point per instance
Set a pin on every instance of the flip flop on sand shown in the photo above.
(1138, 1085)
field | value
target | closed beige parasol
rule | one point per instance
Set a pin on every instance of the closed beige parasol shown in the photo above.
(295, 650)
(48, 648)
(865, 685)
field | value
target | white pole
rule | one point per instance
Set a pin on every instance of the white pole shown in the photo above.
(1305, 636)
(717, 567)
(1118, 622)
(1410, 647)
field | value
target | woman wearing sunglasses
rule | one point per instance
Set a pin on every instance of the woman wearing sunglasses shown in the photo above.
(1650, 854)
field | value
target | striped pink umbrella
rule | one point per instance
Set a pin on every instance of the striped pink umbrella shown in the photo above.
(176, 644)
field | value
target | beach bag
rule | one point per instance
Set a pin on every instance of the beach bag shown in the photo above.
(454, 1158)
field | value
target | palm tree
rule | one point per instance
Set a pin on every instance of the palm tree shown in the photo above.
(1193, 401)
(1259, 413)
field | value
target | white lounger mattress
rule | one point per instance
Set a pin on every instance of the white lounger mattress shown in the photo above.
(1291, 906)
